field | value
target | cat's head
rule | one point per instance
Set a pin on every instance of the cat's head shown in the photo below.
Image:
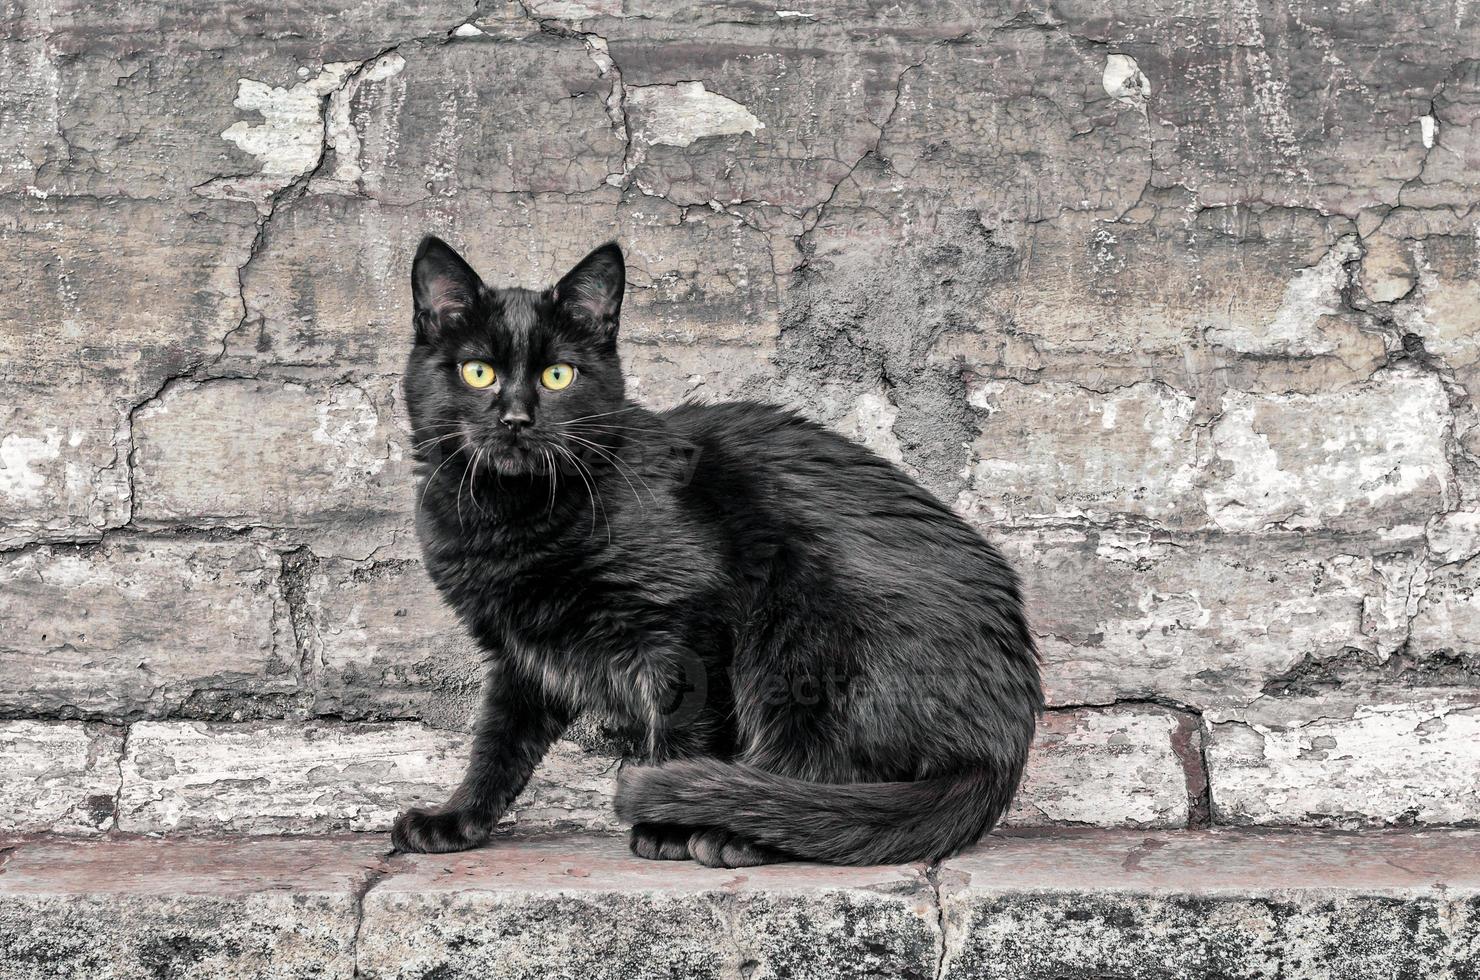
(515, 378)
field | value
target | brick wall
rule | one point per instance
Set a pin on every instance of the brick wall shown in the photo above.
(1179, 304)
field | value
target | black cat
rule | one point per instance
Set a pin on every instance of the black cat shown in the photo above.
(821, 660)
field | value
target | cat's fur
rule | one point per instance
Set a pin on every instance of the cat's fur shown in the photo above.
(821, 660)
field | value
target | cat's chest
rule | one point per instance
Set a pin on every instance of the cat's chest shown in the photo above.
(559, 624)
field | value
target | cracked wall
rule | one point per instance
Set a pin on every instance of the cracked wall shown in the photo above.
(1177, 305)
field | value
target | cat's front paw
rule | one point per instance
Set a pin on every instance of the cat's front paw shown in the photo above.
(437, 832)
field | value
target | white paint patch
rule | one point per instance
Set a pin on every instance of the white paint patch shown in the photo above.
(1295, 329)
(574, 9)
(1362, 456)
(348, 427)
(684, 113)
(1428, 129)
(290, 139)
(1454, 537)
(795, 15)
(467, 30)
(19, 455)
(341, 133)
(1124, 81)
(874, 417)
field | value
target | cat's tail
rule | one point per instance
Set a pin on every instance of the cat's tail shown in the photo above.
(840, 823)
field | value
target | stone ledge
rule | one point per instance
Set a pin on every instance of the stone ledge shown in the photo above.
(1231, 904)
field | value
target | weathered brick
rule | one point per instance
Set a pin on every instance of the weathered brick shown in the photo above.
(278, 777)
(1108, 767)
(586, 907)
(736, 114)
(314, 777)
(524, 114)
(324, 462)
(385, 646)
(1124, 614)
(1052, 450)
(1343, 762)
(301, 777)
(1334, 459)
(62, 476)
(140, 627)
(1446, 618)
(1454, 536)
(1159, 906)
(142, 910)
(100, 302)
(962, 125)
(58, 776)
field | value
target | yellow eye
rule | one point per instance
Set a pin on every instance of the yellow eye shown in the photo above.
(558, 376)
(477, 374)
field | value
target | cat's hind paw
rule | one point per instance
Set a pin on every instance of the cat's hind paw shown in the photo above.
(436, 832)
(660, 841)
(715, 847)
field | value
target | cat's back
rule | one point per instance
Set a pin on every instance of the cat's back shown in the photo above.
(773, 465)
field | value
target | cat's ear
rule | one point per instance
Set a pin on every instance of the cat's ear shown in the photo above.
(444, 288)
(591, 293)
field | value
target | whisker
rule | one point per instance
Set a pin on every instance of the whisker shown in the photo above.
(428, 485)
(623, 468)
(554, 476)
(602, 415)
(427, 442)
(583, 471)
(473, 483)
(458, 498)
(608, 426)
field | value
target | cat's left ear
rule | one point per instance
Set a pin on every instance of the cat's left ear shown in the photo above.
(444, 288)
(592, 292)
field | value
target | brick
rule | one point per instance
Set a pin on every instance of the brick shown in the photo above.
(505, 110)
(385, 646)
(1339, 762)
(283, 777)
(956, 129)
(58, 776)
(1454, 536)
(1058, 450)
(586, 907)
(1127, 614)
(769, 102)
(316, 777)
(323, 463)
(137, 627)
(148, 909)
(101, 301)
(1159, 906)
(1110, 767)
(60, 472)
(1334, 459)
(1446, 620)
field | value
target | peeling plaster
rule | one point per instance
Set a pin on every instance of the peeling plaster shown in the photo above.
(1295, 328)
(290, 139)
(686, 112)
(1124, 82)
(19, 481)
(340, 132)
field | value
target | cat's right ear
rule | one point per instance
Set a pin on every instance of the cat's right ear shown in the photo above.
(444, 288)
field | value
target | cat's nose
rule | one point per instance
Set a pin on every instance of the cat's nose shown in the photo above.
(516, 420)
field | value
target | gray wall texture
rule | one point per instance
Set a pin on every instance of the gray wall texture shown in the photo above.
(1178, 302)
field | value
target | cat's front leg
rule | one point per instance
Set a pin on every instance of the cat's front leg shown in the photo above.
(517, 722)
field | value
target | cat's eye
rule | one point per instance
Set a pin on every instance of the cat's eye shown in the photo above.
(477, 374)
(558, 376)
